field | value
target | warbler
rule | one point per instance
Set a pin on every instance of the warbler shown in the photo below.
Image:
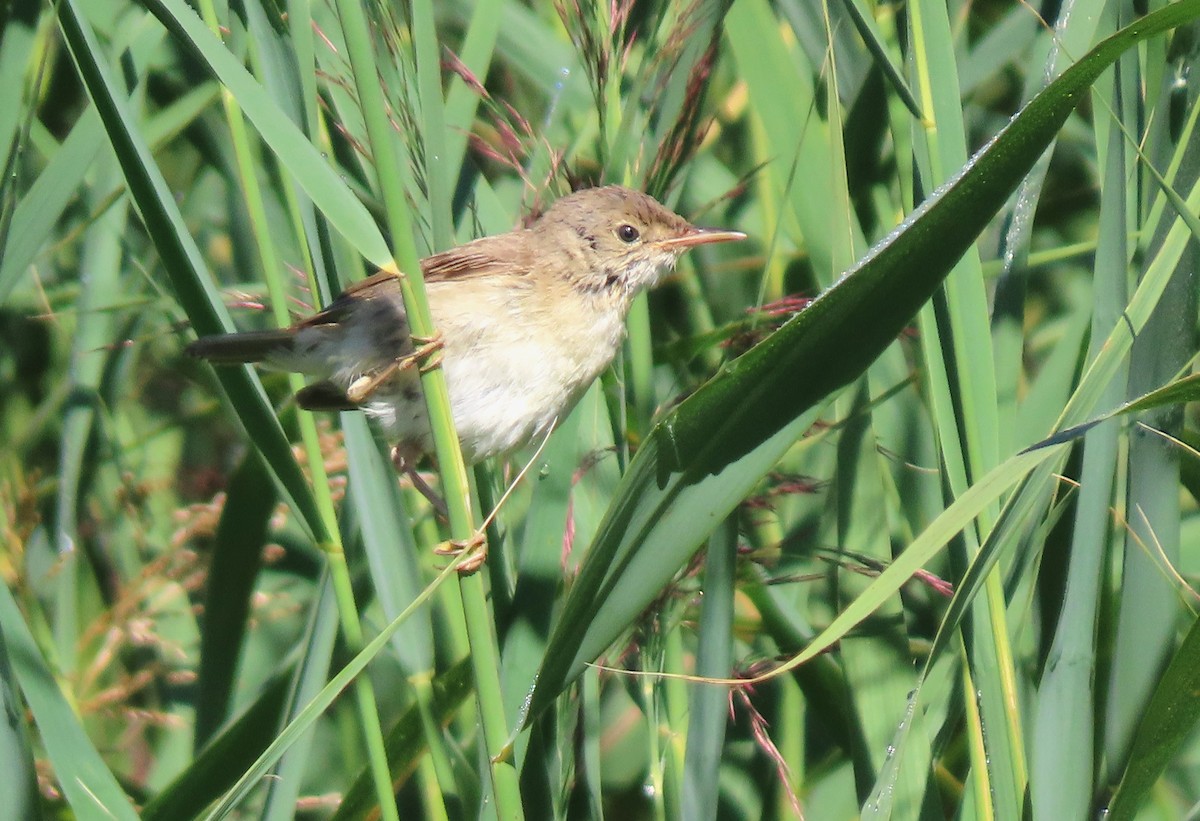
(526, 321)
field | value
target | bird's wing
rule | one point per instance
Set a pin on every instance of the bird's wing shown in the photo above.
(503, 254)
(382, 284)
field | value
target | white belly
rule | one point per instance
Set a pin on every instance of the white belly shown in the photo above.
(508, 385)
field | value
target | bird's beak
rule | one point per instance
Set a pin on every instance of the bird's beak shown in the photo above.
(694, 236)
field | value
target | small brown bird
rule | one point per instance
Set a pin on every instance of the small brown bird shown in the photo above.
(526, 321)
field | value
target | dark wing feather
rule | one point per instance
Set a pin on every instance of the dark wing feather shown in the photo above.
(376, 285)
(490, 256)
(503, 254)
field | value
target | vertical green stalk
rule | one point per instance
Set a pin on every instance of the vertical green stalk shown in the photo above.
(591, 721)
(1065, 714)
(954, 341)
(1149, 609)
(333, 548)
(674, 713)
(878, 677)
(709, 703)
(654, 737)
(484, 652)
(977, 742)
(435, 773)
(100, 266)
(372, 495)
(429, 91)
(15, 750)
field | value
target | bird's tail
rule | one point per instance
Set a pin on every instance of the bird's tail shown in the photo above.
(253, 346)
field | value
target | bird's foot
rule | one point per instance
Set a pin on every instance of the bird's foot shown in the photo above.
(474, 549)
(361, 389)
(429, 354)
(426, 357)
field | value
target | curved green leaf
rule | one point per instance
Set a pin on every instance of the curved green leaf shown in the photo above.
(181, 258)
(698, 463)
(1169, 719)
(224, 758)
(293, 150)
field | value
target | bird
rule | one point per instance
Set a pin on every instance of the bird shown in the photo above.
(526, 320)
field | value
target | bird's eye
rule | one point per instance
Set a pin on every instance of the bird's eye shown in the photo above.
(627, 233)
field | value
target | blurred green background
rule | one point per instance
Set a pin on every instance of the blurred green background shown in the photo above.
(930, 486)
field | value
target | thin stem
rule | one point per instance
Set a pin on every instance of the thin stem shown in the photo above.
(485, 657)
(335, 555)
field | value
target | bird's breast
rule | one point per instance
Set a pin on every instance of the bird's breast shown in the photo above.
(512, 374)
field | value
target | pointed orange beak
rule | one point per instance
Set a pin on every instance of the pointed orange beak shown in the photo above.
(694, 236)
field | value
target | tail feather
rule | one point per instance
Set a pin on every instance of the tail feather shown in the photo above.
(253, 346)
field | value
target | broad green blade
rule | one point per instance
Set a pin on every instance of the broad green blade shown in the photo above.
(237, 556)
(1169, 720)
(702, 458)
(182, 259)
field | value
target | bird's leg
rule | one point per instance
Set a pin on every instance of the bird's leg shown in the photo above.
(404, 458)
(428, 349)
(404, 461)
(476, 546)
(426, 490)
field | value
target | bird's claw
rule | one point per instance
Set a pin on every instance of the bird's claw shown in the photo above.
(475, 549)
(426, 356)
(430, 351)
